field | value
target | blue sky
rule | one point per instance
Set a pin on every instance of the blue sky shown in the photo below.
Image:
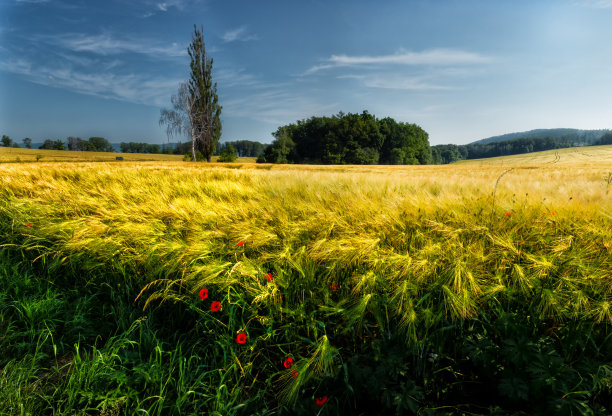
(461, 69)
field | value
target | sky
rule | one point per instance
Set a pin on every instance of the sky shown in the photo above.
(462, 70)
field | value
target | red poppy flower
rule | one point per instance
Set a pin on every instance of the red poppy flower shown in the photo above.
(334, 286)
(28, 225)
(320, 401)
(294, 373)
(553, 213)
(203, 293)
(270, 277)
(215, 306)
(508, 214)
(240, 243)
(241, 338)
(288, 362)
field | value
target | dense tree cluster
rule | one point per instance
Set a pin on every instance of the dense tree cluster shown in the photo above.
(605, 139)
(229, 154)
(349, 139)
(133, 147)
(93, 144)
(243, 148)
(8, 142)
(53, 145)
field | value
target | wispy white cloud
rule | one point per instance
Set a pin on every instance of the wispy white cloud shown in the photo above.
(106, 44)
(238, 34)
(597, 4)
(163, 6)
(397, 82)
(129, 87)
(153, 7)
(433, 57)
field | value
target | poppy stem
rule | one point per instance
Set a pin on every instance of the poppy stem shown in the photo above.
(239, 365)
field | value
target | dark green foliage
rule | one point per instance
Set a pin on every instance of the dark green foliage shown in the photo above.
(47, 145)
(87, 345)
(182, 148)
(283, 148)
(359, 139)
(229, 154)
(449, 153)
(133, 147)
(605, 139)
(446, 153)
(575, 136)
(93, 144)
(6, 141)
(244, 148)
(199, 157)
(53, 145)
(78, 144)
(205, 109)
(100, 144)
(27, 142)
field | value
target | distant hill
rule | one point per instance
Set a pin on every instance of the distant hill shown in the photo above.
(520, 143)
(575, 136)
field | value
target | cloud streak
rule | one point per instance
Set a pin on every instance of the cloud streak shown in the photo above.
(433, 57)
(397, 83)
(105, 44)
(128, 87)
(238, 35)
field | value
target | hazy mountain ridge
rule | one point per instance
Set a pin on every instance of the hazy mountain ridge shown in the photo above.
(578, 136)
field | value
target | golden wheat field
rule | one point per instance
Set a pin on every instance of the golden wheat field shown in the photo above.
(434, 283)
(180, 211)
(17, 155)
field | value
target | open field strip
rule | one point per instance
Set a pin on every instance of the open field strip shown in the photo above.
(392, 289)
(19, 155)
(601, 155)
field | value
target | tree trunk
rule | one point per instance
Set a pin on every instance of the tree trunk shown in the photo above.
(193, 155)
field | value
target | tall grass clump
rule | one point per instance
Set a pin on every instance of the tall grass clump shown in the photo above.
(172, 289)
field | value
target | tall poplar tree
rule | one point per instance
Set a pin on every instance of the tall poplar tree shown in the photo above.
(196, 111)
(206, 111)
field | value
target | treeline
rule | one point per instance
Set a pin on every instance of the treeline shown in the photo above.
(134, 147)
(349, 139)
(449, 153)
(243, 148)
(605, 139)
(576, 136)
(340, 139)
(93, 144)
(6, 141)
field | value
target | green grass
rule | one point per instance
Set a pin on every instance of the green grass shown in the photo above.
(394, 290)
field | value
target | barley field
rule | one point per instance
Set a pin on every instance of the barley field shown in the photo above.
(20, 155)
(169, 287)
